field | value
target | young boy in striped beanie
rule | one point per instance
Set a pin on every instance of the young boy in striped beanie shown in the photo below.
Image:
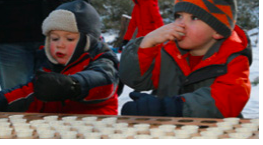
(197, 66)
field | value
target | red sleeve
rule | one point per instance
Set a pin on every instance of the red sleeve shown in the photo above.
(146, 58)
(21, 98)
(101, 93)
(132, 24)
(232, 90)
(19, 93)
(156, 16)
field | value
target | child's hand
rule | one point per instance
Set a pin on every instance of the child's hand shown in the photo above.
(50, 86)
(167, 32)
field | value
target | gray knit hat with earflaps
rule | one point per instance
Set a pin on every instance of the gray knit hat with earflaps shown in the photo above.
(77, 17)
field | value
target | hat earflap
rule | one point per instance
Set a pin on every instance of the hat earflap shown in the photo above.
(87, 47)
(47, 51)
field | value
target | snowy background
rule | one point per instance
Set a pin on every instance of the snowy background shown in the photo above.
(251, 109)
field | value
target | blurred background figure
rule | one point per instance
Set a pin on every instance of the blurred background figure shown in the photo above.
(145, 18)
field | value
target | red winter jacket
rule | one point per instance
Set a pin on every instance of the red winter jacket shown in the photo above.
(145, 17)
(96, 71)
(217, 87)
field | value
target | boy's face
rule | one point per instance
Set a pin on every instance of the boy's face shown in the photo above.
(62, 45)
(198, 35)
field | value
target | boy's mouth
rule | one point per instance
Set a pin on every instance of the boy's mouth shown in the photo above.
(60, 55)
(182, 36)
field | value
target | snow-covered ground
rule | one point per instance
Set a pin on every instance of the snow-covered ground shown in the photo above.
(251, 109)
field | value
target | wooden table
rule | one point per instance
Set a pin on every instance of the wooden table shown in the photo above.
(154, 122)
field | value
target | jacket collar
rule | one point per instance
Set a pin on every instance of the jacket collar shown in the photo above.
(217, 54)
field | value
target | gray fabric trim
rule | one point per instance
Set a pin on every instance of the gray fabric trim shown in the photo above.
(129, 69)
(200, 104)
(21, 104)
(215, 48)
(169, 74)
(231, 57)
(211, 71)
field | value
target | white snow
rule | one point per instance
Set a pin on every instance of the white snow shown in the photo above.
(110, 36)
(126, 16)
(251, 109)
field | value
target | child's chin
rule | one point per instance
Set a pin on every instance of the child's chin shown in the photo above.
(62, 62)
(183, 45)
(185, 48)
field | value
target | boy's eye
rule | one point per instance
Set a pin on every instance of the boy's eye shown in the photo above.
(176, 16)
(54, 39)
(195, 18)
(70, 39)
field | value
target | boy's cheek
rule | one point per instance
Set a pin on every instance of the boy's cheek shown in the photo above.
(71, 48)
(52, 49)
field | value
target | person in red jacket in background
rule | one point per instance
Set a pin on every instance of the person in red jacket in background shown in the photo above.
(145, 17)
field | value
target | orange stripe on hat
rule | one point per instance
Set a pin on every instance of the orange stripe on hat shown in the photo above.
(195, 2)
(222, 18)
(226, 9)
(218, 14)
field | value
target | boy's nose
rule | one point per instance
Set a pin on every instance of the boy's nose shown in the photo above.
(60, 44)
(182, 21)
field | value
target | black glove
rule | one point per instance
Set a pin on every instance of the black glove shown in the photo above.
(3, 102)
(55, 87)
(173, 106)
(143, 104)
(123, 44)
(148, 105)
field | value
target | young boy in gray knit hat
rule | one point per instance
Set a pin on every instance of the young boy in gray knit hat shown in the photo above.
(81, 72)
(197, 66)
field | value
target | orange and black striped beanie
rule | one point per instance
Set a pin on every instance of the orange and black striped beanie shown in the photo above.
(219, 14)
